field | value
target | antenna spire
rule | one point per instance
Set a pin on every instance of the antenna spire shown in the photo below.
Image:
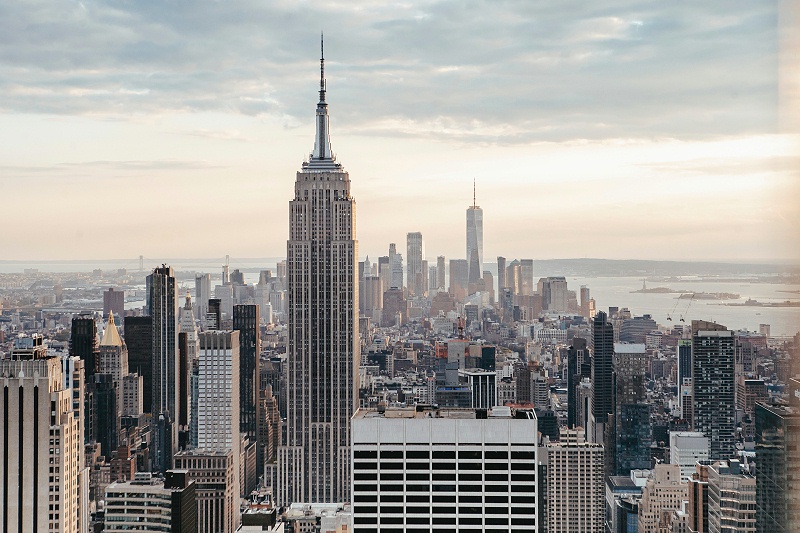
(474, 194)
(321, 67)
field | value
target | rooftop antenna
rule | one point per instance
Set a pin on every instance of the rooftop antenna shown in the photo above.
(474, 195)
(321, 67)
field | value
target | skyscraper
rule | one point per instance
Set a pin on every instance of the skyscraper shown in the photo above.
(218, 399)
(405, 464)
(501, 274)
(323, 339)
(202, 292)
(602, 374)
(474, 240)
(83, 342)
(43, 431)
(139, 339)
(778, 464)
(440, 273)
(713, 386)
(574, 484)
(414, 254)
(163, 304)
(245, 321)
(113, 302)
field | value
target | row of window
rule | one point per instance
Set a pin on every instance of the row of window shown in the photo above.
(446, 454)
(359, 487)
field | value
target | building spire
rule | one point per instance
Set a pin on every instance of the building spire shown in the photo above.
(474, 194)
(322, 141)
(321, 67)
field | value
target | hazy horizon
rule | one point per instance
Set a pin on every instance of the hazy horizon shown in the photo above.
(627, 129)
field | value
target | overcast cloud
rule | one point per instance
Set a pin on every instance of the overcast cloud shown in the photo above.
(493, 71)
(620, 106)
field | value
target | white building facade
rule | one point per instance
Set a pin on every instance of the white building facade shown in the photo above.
(445, 470)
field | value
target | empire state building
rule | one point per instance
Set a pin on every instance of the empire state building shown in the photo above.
(323, 344)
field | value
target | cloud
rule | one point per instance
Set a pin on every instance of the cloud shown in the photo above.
(488, 72)
(107, 168)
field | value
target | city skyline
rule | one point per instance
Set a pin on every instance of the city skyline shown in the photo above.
(629, 116)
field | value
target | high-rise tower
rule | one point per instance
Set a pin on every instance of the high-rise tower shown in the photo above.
(713, 387)
(323, 346)
(474, 239)
(414, 270)
(163, 304)
(602, 375)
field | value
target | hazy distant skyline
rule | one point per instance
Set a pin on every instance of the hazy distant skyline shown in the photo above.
(617, 130)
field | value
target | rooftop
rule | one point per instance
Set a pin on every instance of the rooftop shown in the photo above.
(433, 411)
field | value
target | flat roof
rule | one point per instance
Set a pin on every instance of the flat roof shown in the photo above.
(436, 412)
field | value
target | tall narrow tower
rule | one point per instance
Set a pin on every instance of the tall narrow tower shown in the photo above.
(163, 304)
(474, 239)
(323, 349)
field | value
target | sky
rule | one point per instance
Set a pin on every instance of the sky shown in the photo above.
(615, 129)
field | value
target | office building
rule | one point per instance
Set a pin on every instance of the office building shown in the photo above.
(163, 304)
(635, 329)
(584, 303)
(322, 355)
(420, 469)
(245, 321)
(149, 503)
(713, 387)
(202, 293)
(105, 413)
(685, 379)
(663, 492)
(395, 267)
(459, 278)
(83, 342)
(371, 298)
(697, 505)
(139, 340)
(414, 270)
(214, 314)
(527, 287)
(113, 358)
(575, 486)
(632, 433)
(113, 302)
(555, 296)
(579, 366)
(482, 385)
(440, 273)
(501, 274)
(731, 498)
(218, 399)
(686, 448)
(778, 468)
(43, 483)
(474, 241)
(216, 477)
(132, 395)
(602, 375)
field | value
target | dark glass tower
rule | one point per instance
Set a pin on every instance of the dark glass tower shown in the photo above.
(83, 343)
(602, 374)
(777, 468)
(105, 412)
(139, 339)
(163, 306)
(245, 321)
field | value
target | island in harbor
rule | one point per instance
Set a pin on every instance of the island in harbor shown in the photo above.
(755, 303)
